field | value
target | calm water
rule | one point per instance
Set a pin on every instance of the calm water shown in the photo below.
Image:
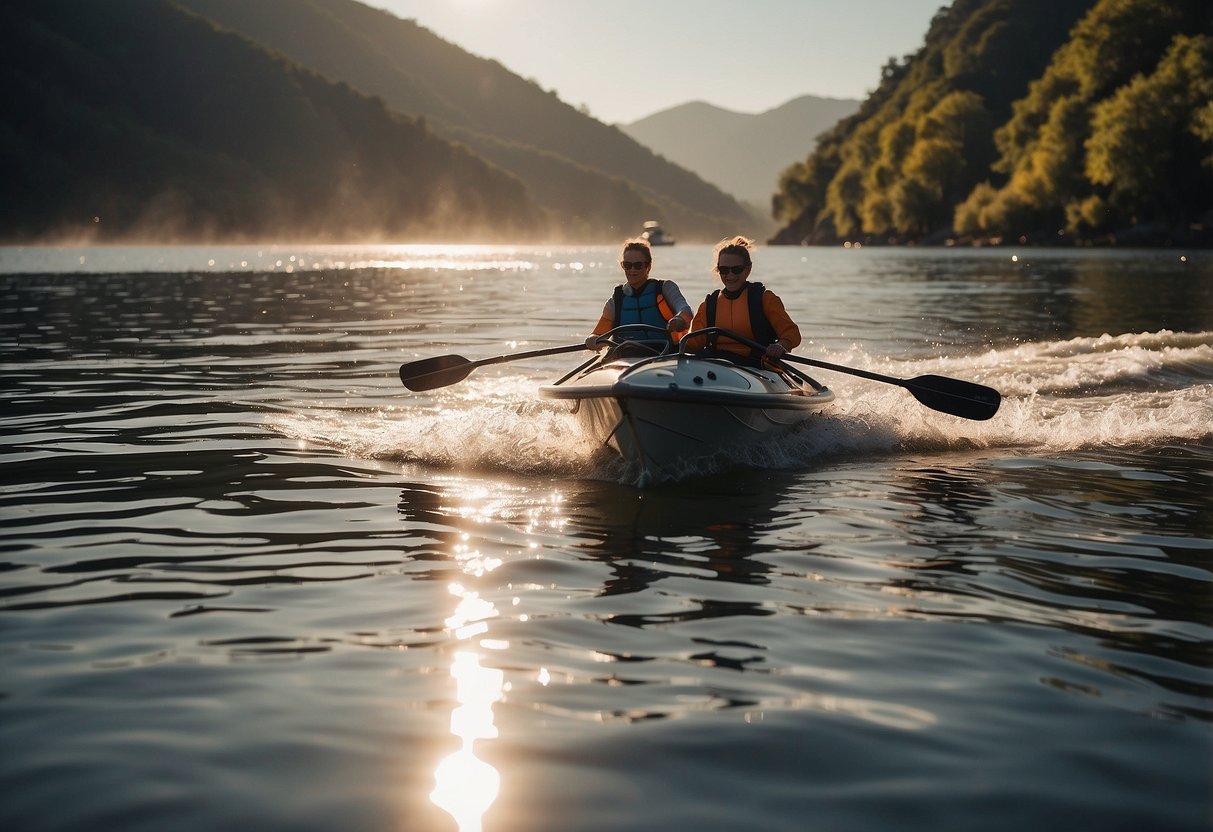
(249, 581)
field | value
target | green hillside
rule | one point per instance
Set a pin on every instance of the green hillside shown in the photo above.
(1034, 120)
(593, 177)
(138, 119)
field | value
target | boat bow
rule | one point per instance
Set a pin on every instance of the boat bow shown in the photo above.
(663, 408)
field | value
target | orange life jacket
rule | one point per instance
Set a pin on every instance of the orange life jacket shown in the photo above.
(759, 327)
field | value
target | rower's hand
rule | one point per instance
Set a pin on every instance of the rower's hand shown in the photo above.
(776, 350)
(591, 343)
(676, 324)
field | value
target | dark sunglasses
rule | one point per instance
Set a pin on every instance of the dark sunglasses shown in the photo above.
(628, 264)
(733, 269)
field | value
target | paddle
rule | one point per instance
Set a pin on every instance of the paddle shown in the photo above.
(443, 370)
(947, 395)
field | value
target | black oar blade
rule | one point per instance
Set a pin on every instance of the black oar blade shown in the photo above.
(960, 398)
(432, 373)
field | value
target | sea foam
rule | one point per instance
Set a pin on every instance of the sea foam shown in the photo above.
(1143, 389)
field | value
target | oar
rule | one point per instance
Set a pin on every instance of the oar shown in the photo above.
(443, 370)
(947, 395)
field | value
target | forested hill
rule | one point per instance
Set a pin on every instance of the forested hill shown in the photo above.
(583, 169)
(136, 119)
(320, 119)
(1034, 120)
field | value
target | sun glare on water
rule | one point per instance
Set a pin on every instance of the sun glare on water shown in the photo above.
(465, 786)
(426, 257)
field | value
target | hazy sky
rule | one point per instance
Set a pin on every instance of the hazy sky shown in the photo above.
(626, 59)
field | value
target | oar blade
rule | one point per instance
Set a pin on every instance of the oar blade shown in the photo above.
(432, 373)
(959, 398)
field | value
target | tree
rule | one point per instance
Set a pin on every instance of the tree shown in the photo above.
(1147, 179)
(1105, 92)
(924, 139)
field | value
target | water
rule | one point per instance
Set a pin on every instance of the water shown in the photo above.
(248, 581)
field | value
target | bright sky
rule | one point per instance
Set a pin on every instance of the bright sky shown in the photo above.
(626, 59)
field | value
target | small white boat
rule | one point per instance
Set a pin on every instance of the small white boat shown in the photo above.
(655, 235)
(658, 404)
(669, 406)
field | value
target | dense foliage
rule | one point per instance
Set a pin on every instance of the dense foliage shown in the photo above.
(1031, 119)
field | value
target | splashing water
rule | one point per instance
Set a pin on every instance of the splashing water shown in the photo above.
(1113, 391)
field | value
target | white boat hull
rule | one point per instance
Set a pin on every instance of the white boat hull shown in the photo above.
(660, 412)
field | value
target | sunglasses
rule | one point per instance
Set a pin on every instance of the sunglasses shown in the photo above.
(730, 269)
(628, 265)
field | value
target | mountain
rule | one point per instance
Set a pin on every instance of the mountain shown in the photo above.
(1032, 120)
(595, 179)
(137, 120)
(318, 119)
(741, 153)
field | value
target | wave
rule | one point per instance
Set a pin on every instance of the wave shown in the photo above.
(1082, 366)
(1112, 391)
(1129, 390)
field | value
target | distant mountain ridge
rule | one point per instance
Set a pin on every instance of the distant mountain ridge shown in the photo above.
(594, 177)
(137, 121)
(741, 153)
(208, 120)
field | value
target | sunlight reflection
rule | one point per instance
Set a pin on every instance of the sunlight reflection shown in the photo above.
(436, 258)
(464, 785)
(477, 689)
(467, 786)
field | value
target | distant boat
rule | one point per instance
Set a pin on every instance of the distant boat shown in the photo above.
(655, 235)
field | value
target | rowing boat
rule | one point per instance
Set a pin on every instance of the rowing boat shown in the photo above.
(656, 403)
(659, 405)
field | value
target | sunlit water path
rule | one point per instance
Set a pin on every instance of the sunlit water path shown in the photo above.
(248, 580)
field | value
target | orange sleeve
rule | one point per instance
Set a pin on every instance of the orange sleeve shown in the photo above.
(605, 322)
(604, 325)
(785, 328)
(700, 321)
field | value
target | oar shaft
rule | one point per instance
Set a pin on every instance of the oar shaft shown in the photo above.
(947, 395)
(515, 356)
(826, 365)
(443, 370)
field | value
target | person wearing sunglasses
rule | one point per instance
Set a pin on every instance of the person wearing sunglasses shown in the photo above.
(641, 300)
(749, 309)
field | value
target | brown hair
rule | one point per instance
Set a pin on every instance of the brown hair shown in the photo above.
(637, 244)
(740, 246)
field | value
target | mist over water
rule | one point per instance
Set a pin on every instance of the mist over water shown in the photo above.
(248, 580)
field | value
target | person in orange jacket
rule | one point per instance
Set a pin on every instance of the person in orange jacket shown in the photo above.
(641, 300)
(749, 309)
